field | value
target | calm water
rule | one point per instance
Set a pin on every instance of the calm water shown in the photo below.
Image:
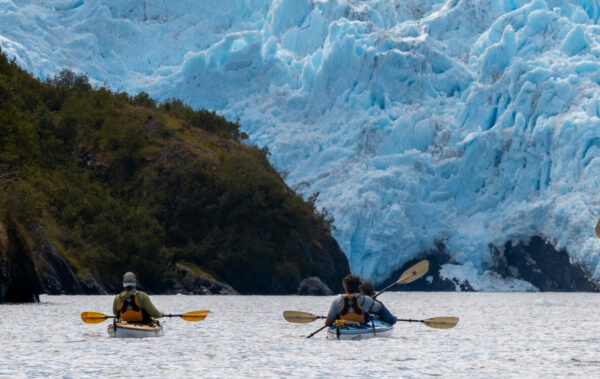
(499, 335)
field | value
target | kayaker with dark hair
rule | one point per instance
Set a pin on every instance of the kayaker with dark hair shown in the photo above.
(352, 306)
(366, 288)
(133, 305)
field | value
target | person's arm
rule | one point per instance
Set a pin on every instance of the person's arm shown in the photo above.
(146, 303)
(334, 309)
(116, 305)
(386, 316)
(377, 306)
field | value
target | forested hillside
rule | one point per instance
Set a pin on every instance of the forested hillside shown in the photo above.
(119, 183)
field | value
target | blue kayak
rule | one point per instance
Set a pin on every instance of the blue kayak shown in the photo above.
(355, 331)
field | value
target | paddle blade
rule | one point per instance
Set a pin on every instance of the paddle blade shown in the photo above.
(195, 315)
(299, 317)
(93, 317)
(441, 322)
(415, 272)
(598, 229)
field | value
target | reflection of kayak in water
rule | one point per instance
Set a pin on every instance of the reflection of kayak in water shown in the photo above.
(123, 329)
(358, 331)
(598, 229)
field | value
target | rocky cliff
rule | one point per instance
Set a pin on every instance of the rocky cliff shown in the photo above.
(532, 265)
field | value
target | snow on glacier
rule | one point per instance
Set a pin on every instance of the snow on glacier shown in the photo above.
(465, 122)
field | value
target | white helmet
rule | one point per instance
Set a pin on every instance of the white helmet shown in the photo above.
(129, 279)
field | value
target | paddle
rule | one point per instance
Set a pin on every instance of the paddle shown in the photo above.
(300, 317)
(410, 275)
(434, 322)
(303, 318)
(191, 316)
(598, 229)
(437, 322)
(316, 331)
(97, 317)
(94, 317)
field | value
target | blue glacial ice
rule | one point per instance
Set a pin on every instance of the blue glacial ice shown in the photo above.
(467, 122)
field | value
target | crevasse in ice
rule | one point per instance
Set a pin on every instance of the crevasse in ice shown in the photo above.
(466, 122)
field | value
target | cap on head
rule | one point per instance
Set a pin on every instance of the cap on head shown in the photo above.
(367, 288)
(129, 280)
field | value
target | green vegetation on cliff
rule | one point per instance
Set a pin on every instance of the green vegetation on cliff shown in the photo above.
(120, 183)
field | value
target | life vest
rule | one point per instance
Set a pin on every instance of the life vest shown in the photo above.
(132, 311)
(351, 310)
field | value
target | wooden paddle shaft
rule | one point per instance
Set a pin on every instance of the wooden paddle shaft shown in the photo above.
(317, 331)
(410, 320)
(383, 290)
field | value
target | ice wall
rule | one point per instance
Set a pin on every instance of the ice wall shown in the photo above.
(468, 122)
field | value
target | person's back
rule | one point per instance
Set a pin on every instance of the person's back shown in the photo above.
(351, 306)
(367, 289)
(133, 305)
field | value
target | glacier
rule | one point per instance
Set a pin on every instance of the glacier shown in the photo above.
(466, 122)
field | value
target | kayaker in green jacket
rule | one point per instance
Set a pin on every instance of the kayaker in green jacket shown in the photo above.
(133, 305)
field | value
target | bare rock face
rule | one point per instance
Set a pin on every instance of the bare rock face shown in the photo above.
(541, 264)
(30, 265)
(55, 275)
(534, 260)
(432, 281)
(190, 282)
(18, 279)
(314, 286)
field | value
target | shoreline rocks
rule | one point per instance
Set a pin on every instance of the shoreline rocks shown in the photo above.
(313, 286)
(534, 260)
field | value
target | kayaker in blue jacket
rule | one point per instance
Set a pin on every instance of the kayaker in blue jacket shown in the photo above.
(352, 306)
(366, 288)
(133, 305)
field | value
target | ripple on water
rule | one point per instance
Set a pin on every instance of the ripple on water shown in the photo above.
(498, 334)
